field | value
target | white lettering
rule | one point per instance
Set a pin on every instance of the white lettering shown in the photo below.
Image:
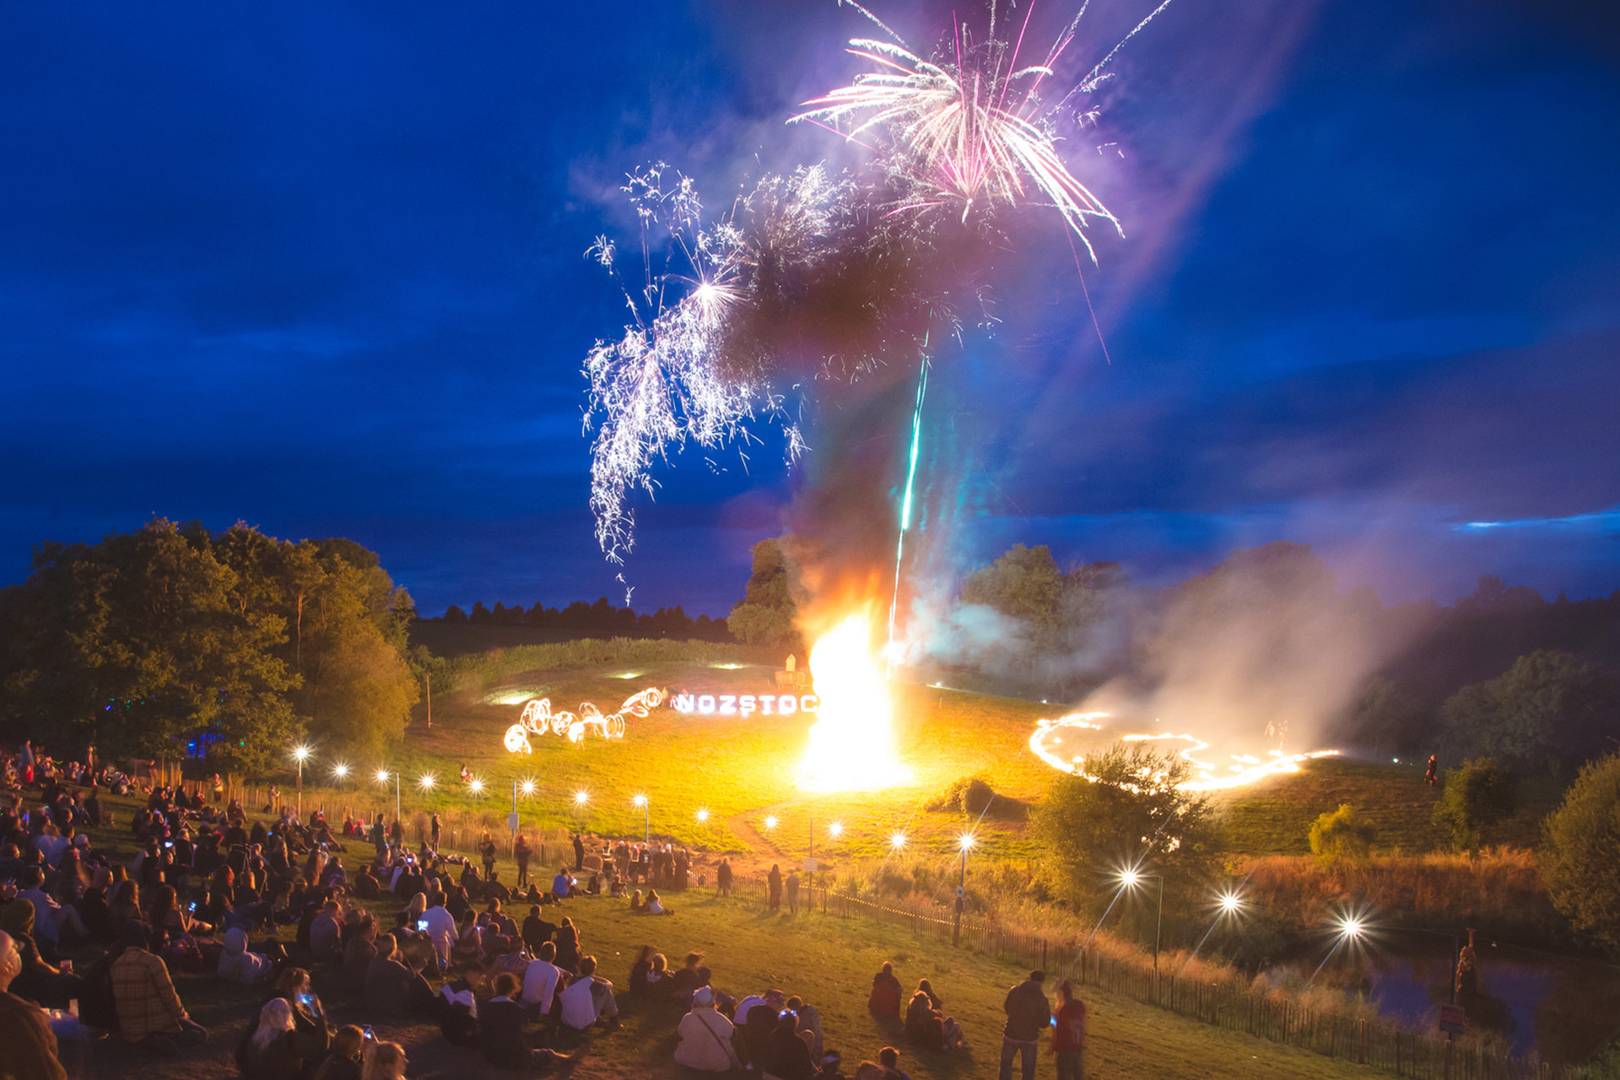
(706, 704)
(809, 703)
(747, 704)
(768, 705)
(728, 704)
(685, 703)
(787, 704)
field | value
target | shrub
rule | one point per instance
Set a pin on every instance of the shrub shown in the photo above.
(974, 795)
(1341, 834)
(1476, 796)
(1580, 840)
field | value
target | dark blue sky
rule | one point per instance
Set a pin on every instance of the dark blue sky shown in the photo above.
(319, 267)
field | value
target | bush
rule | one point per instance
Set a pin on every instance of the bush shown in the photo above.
(1476, 796)
(974, 795)
(1341, 834)
(1580, 840)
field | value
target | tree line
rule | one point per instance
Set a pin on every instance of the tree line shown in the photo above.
(234, 643)
(597, 619)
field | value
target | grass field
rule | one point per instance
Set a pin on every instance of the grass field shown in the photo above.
(825, 959)
(739, 769)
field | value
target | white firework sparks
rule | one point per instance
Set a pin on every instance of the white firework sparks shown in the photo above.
(968, 129)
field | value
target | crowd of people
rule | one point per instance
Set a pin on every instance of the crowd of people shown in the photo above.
(211, 892)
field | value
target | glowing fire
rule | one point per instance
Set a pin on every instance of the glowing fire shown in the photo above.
(852, 745)
(1240, 769)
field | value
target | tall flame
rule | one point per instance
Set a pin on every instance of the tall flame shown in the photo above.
(852, 743)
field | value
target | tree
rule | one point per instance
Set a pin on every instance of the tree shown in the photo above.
(1386, 717)
(454, 614)
(1341, 834)
(1477, 796)
(1132, 814)
(768, 613)
(1579, 842)
(1550, 710)
(1023, 583)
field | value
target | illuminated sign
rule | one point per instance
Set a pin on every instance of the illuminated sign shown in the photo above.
(745, 704)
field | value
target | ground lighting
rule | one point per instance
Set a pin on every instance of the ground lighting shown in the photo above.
(527, 787)
(771, 822)
(897, 841)
(835, 829)
(476, 785)
(426, 781)
(703, 814)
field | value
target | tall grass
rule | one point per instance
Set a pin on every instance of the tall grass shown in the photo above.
(1500, 891)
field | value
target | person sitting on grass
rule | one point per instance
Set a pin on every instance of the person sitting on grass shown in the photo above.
(683, 983)
(393, 989)
(567, 941)
(927, 1024)
(655, 906)
(270, 1049)
(588, 1001)
(24, 1030)
(637, 904)
(885, 998)
(150, 1013)
(385, 1061)
(500, 1030)
(536, 930)
(562, 886)
(809, 1025)
(309, 1016)
(706, 1037)
(889, 1062)
(344, 1060)
(541, 979)
(788, 1055)
(237, 964)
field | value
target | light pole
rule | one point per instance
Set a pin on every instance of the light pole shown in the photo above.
(965, 844)
(1130, 878)
(300, 754)
(646, 818)
(382, 778)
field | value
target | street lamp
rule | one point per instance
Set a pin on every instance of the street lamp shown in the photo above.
(1129, 878)
(340, 771)
(646, 817)
(835, 829)
(964, 844)
(527, 787)
(301, 754)
(1349, 928)
(382, 778)
(426, 782)
(476, 785)
(897, 841)
(703, 815)
(771, 822)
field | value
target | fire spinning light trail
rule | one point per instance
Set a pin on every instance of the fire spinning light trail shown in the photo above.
(1240, 770)
(538, 719)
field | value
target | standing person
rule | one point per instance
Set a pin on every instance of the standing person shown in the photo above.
(486, 849)
(1467, 982)
(1028, 1014)
(793, 892)
(579, 852)
(434, 830)
(1069, 1034)
(1431, 775)
(722, 877)
(521, 853)
(774, 881)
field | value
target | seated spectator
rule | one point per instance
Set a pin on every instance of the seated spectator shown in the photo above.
(150, 1013)
(238, 965)
(925, 1024)
(344, 1060)
(637, 904)
(691, 976)
(358, 952)
(755, 1022)
(562, 886)
(24, 1031)
(392, 988)
(385, 1061)
(885, 998)
(706, 1037)
(536, 931)
(788, 1057)
(809, 1025)
(889, 1060)
(324, 932)
(309, 1016)
(567, 940)
(270, 1050)
(655, 906)
(38, 981)
(54, 925)
(500, 1029)
(589, 999)
(540, 980)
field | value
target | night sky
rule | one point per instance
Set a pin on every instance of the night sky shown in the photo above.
(319, 268)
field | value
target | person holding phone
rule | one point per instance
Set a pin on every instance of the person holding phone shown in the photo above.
(345, 1059)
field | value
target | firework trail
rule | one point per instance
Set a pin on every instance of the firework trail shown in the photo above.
(905, 498)
(817, 274)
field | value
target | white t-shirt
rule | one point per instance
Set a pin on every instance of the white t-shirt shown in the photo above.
(540, 984)
(579, 1003)
(441, 930)
(740, 1013)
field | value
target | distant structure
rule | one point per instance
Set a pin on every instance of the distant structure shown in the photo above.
(790, 677)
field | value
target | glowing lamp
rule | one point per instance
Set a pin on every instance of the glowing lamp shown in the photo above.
(340, 770)
(771, 822)
(382, 776)
(703, 814)
(581, 798)
(476, 786)
(301, 754)
(835, 829)
(527, 787)
(640, 801)
(426, 781)
(897, 841)
(1230, 903)
(965, 842)
(1351, 927)
(1129, 878)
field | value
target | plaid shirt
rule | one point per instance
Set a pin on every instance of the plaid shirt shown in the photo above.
(144, 995)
